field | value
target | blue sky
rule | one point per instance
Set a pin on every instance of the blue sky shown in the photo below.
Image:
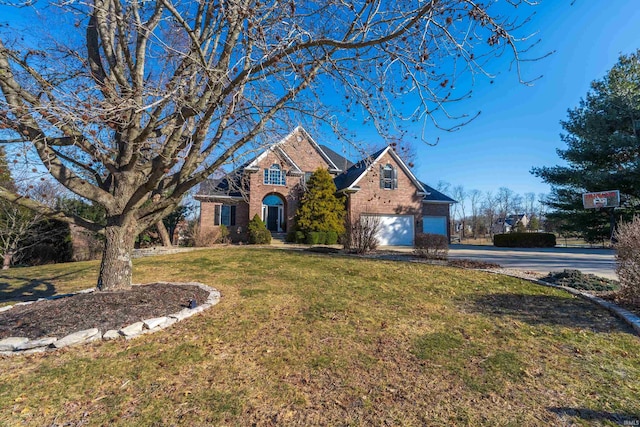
(518, 127)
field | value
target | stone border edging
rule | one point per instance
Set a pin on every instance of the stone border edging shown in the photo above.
(627, 316)
(21, 345)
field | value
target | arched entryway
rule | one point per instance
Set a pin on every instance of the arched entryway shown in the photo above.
(273, 213)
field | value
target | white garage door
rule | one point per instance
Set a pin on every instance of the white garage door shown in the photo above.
(395, 230)
(434, 225)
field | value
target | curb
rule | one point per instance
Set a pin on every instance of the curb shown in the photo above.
(13, 346)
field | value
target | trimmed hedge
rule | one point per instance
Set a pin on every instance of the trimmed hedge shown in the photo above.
(524, 240)
(332, 238)
(316, 238)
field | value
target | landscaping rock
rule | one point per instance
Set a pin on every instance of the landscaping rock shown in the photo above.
(132, 330)
(40, 342)
(183, 314)
(78, 338)
(170, 321)
(156, 321)
(25, 303)
(10, 344)
(111, 335)
(34, 350)
(5, 308)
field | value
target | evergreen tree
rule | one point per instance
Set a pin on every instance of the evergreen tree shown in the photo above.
(320, 209)
(603, 152)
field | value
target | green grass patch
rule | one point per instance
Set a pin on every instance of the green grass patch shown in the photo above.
(437, 345)
(309, 339)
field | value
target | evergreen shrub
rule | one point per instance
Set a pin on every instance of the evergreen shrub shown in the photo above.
(332, 238)
(312, 238)
(258, 233)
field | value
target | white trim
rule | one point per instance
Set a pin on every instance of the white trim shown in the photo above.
(318, 149)
(288, 159)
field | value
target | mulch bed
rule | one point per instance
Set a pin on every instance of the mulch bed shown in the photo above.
(102, 310)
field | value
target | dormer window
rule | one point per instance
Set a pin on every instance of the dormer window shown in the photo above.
(388, 177)
(275, 176)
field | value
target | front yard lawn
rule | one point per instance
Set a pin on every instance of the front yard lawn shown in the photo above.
(310, 339)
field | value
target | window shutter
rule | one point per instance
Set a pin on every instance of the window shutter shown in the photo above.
(395, 178)
(232, 215)
(381, 176)
(216, 215)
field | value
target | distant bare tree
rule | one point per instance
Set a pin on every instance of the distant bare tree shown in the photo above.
(475, 200)
(489, 207)
(505, 202)
(19, 229)
(461, 196)
(530, 204)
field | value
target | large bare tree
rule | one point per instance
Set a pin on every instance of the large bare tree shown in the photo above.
(140, 101)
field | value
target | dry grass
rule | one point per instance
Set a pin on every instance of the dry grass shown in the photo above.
(309, 339)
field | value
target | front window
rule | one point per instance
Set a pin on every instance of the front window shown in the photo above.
(274, 175)
(225, 215)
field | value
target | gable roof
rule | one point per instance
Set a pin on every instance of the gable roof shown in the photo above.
(434, 196)
(253, 165)
(349, 180)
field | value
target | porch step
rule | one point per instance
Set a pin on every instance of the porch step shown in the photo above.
(278, 238)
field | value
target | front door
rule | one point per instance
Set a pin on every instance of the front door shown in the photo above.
(273, 212)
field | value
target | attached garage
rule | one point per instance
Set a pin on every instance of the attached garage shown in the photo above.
(395, 230)
(434, 225)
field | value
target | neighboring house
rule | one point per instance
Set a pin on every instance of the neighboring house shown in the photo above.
(272, 184)
(505, 225)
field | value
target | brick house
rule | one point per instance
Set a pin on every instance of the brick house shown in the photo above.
(271, 185)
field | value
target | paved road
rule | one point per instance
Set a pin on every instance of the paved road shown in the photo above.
(595, 261)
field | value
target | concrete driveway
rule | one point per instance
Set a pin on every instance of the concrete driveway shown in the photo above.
(600, 262)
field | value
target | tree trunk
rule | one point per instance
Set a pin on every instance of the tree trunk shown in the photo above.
(116, 266)
(6, 262)
(164, 234)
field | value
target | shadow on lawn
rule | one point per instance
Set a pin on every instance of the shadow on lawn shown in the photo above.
(548, 310)
(591, 415)
(28, 289)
